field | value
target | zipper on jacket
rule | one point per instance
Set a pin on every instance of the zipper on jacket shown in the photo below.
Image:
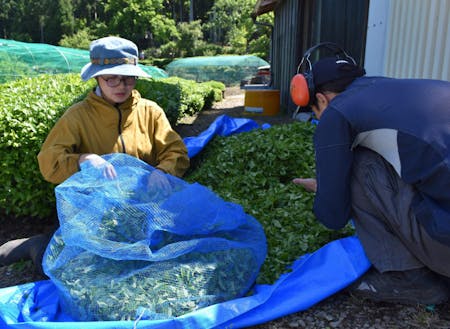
(119, 128)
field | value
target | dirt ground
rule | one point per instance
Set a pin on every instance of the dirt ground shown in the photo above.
(338, 311)
(232, 105)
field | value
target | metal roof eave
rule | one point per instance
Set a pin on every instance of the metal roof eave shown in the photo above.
(264, 6)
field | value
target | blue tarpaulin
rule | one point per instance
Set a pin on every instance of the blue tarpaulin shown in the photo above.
(222, 126)
(313, 277)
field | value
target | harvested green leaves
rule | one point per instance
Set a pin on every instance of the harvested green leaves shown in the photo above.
(255, 169)
(98, 288)
(126, 224)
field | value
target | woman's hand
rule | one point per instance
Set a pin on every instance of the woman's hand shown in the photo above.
(310, 184)
(158, 181)
(98, 162)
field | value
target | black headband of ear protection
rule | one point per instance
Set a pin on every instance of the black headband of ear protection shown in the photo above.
(302, 84)
(337, 51)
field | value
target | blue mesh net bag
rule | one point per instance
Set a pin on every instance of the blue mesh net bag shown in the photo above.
(129, 248)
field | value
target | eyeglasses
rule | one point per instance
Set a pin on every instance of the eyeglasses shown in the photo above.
(115, 80)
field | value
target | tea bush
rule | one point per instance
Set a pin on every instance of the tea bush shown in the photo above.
(180, 97)
(30, 108)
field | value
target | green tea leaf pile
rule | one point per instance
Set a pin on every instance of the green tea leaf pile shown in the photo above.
(179, 286)
(128, 250)
(255, 169)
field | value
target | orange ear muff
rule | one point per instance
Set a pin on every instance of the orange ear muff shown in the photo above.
(299, 90)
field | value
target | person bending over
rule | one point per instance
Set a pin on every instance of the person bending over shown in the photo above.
(382, 151)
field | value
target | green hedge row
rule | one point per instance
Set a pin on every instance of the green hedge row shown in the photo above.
(30, 107)
(180, 97)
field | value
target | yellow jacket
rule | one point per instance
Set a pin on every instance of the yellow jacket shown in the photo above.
(138, 127)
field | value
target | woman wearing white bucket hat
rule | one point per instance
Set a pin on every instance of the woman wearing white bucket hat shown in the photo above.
(112, 118)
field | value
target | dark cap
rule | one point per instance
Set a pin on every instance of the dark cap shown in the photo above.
(333, 68)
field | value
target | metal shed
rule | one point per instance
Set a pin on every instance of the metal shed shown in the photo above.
(300, 24)
(409, 39)
(397, 38)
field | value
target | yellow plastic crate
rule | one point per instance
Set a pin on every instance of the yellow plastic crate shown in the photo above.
(262, 101)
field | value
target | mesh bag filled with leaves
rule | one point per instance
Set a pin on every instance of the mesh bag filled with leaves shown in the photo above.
(128, 248)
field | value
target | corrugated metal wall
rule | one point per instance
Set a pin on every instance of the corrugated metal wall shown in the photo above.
(285, 51)
(300, 24)
(418, 39)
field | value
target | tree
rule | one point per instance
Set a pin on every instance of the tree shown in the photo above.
(261, 41)
(89, 11)
(219, 26)
(59, 21)
(38, 21)
(230, 21)
(140, 21)
(80, 40)
(5, 16)
(34, 19)
(178, 10)
(12, 20)
(191, 38)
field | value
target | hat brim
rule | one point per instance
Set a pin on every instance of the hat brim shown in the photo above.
(91, 71)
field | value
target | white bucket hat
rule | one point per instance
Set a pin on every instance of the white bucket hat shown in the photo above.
(112, 55)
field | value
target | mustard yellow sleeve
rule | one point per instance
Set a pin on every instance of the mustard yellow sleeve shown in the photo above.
(57, 158)
(172, 156)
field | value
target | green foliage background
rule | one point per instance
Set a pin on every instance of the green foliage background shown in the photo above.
(30, 108)
(163, 28)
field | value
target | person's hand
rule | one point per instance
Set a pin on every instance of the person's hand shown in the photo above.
(310, 184)
(98, 162)
(157, 181)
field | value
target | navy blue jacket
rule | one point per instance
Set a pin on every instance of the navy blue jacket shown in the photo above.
(407, 121)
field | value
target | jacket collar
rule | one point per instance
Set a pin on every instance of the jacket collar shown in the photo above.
(95, 97)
